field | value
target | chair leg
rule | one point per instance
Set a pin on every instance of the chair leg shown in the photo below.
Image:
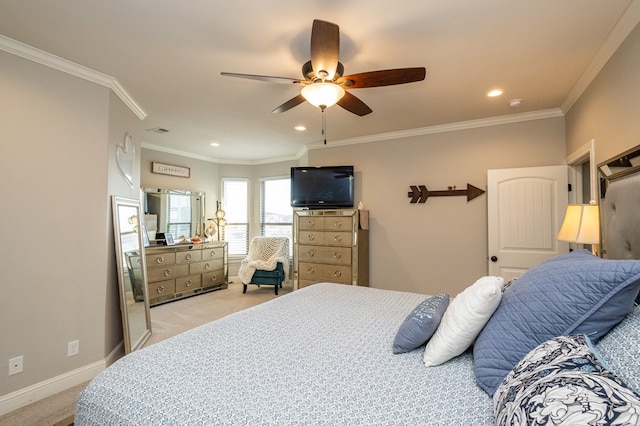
(244, 288)
(276, 288)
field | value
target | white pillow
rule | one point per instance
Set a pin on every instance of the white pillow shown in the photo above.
(463, 320)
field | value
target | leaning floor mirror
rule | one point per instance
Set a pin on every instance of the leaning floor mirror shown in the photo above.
(129, 243)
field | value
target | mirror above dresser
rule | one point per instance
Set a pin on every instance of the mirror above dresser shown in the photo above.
(177, 212)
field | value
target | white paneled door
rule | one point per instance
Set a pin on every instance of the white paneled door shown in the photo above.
(526, 208)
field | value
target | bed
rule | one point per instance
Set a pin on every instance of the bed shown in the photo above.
(324, 355)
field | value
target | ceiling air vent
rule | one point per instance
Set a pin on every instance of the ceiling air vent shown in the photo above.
(158, 130)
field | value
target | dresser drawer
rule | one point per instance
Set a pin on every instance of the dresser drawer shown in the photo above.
(160, 273)
(188, 256)
(321, 272)
(305, 283)
(311, 237)
(188, 283)
(213, 278)
(212, 253)
(332, 238)
(311, 222)
(338, 223)
(205, 266)
(161, 288)
(324, 254)
(155, 259)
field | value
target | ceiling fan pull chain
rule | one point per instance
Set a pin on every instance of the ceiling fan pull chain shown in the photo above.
(324, 125)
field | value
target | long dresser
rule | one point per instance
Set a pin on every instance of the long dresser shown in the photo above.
(330, 246)
(183, 270)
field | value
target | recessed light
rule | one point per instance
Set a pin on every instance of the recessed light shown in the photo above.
(494, 93)
(215, 144)
(300, 128)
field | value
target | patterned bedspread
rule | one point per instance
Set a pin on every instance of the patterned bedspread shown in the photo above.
(318, 356)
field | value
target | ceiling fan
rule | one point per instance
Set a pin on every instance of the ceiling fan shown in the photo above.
(324, 83)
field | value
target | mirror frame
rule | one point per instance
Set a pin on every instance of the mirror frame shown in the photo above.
(131, 343)
(621, 165)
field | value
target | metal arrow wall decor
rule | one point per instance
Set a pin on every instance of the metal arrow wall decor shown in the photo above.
(420, 193)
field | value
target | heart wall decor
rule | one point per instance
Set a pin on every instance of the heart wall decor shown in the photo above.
(125, 158)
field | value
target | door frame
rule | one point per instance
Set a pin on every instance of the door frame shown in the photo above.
(575, 160)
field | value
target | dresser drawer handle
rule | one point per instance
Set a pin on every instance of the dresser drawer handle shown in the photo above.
(311, 237)
(159, 259)
(139, 262)
(310, 253)
(337, 224)
(213, 277)
(188, 256)
(337, 255)
(310, 271)
(207, 266)
(337, 274)
(167, 272)
(189, 283)
(337, 238)
(311, 223)
(213, 253)
(160, 289)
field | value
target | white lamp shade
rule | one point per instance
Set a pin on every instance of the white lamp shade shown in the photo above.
(322, 95)
(581, 224)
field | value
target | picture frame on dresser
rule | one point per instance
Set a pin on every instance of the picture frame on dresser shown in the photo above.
(168, 238)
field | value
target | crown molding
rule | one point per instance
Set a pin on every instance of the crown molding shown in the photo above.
(159, 148)
(52, 61)
(627, 22)
(444, 128)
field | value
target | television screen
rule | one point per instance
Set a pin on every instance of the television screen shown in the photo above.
(322, 187)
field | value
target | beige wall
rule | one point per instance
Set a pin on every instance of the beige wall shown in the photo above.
(59, 134)
(608, 111)
(441, 245)
(204, 176)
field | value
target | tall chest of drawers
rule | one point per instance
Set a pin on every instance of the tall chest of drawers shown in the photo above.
(330, 246)
(174, 272)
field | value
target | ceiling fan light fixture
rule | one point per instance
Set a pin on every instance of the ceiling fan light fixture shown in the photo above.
(322, 95)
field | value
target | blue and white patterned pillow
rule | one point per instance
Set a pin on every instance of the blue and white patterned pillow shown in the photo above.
(562, 382)
(420, 324)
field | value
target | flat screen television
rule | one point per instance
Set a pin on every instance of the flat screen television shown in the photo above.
(324, 187)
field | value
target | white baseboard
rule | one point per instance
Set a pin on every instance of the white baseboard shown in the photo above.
(44, 389)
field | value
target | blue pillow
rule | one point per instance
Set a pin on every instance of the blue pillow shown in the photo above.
(562, 381)
(568, 294)
(420, 324)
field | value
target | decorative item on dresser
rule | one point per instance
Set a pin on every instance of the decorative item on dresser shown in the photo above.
(185, 270)
(330, 245)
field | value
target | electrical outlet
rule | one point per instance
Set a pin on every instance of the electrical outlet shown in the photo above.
(15, 365)
(73, 348)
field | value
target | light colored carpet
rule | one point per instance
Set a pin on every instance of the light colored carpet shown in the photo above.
(167, 320)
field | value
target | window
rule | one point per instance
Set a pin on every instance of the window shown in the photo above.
(235, 196)
(179, 215)
(276, 214)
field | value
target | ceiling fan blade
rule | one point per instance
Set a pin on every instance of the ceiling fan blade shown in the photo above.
(267, 78)
(325, 48)
(354, 105)
(293, 102)
(383, 78)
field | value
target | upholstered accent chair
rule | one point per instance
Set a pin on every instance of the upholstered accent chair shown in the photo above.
(267, 263)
